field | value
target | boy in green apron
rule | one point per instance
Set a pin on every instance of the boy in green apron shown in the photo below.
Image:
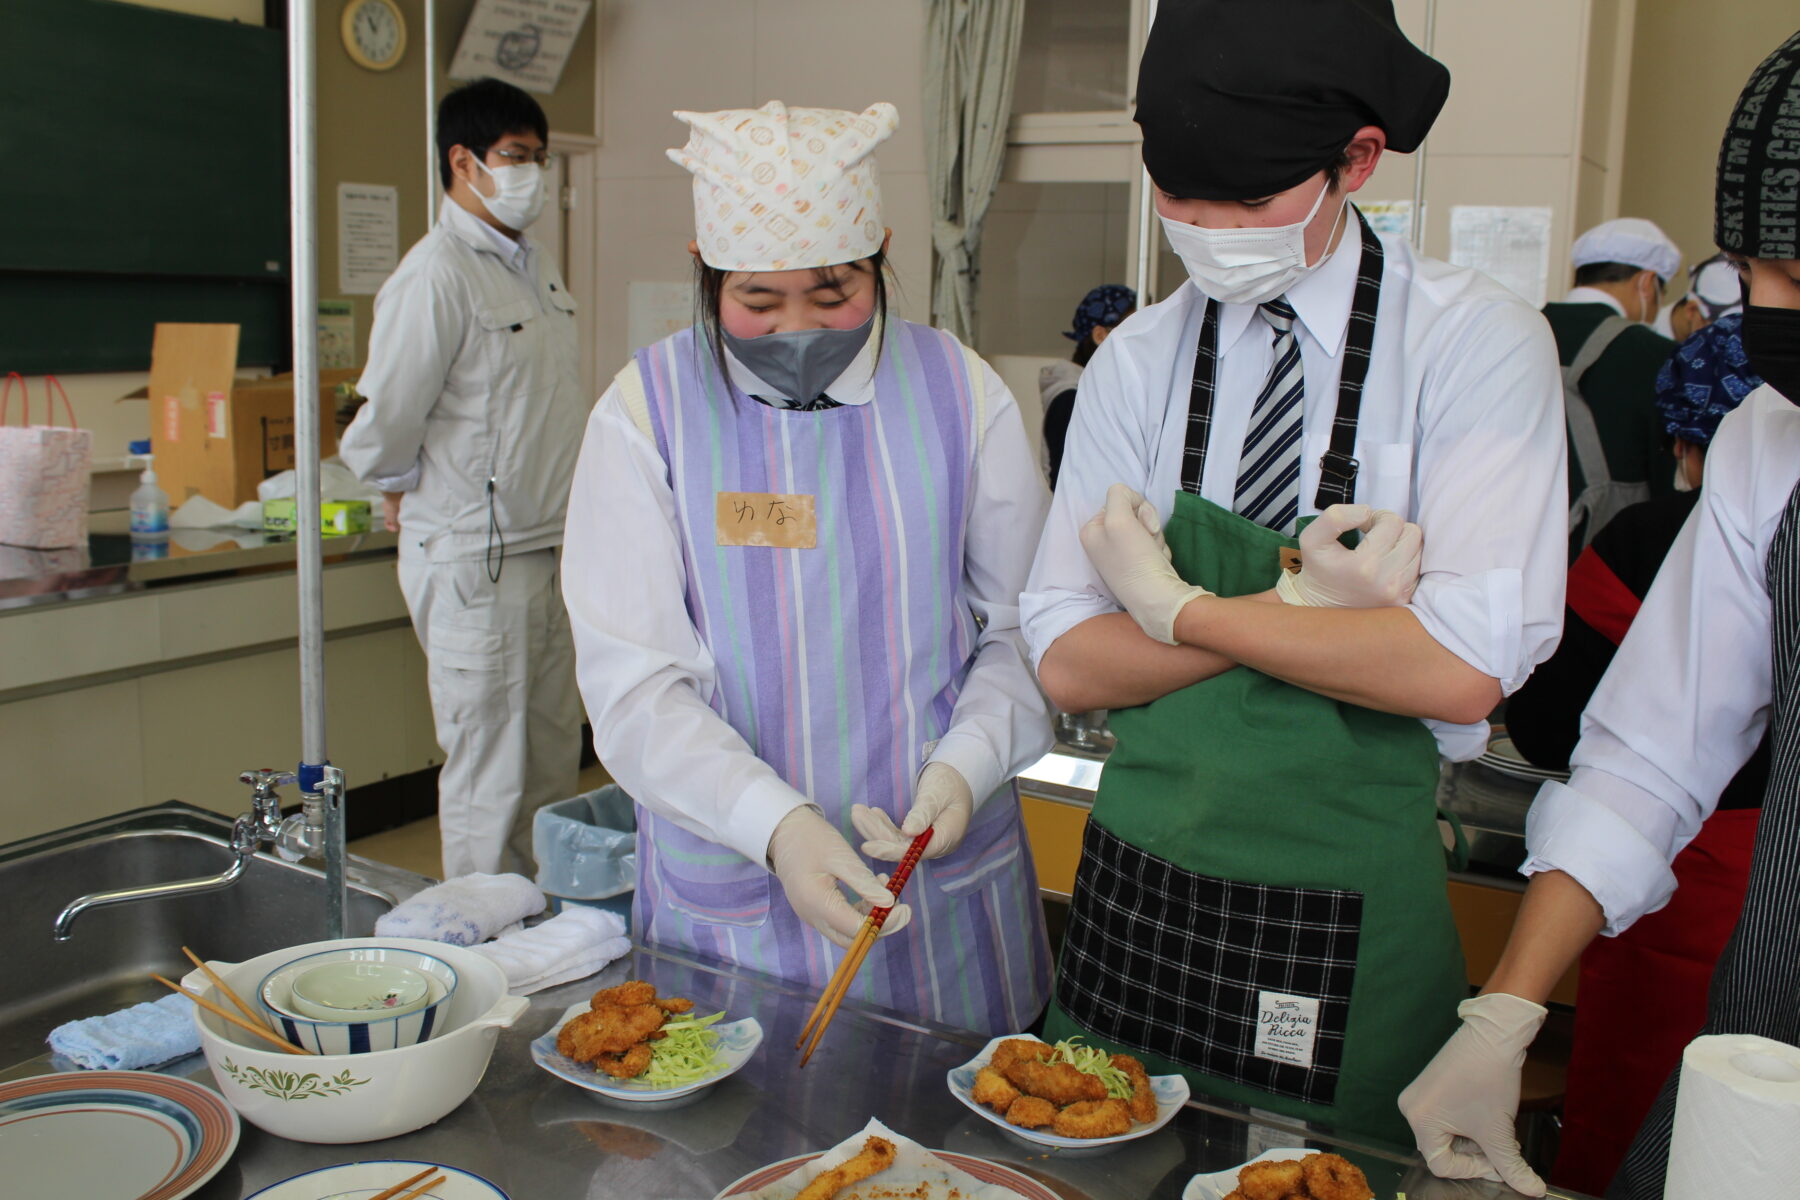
(1261, 899)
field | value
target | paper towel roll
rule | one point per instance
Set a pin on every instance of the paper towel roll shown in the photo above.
(1737, 1120)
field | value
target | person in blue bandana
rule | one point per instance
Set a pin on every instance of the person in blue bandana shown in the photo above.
(1098, 314)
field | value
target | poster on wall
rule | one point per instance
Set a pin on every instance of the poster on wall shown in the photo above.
(1393, 217)
(525, 42)
(656, 310)
(368, 236)
(1511, 243)
(337, 334)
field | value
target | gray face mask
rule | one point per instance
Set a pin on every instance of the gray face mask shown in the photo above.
(801, 363)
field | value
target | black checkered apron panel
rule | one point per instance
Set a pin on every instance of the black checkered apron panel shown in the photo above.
(1174, 962)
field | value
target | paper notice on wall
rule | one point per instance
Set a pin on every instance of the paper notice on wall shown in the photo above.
(655, 310)
(1509, 243)
(525, 42)
(337, 334)
(1392, 217)
(368, 230)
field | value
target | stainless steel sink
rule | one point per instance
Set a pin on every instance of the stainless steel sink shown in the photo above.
(107, 964)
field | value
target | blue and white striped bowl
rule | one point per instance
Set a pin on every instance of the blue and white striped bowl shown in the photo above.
(358, 1037)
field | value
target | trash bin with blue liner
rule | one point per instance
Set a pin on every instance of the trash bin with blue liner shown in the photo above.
(586, 850)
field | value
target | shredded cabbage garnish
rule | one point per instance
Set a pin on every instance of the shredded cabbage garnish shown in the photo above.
(1092, 1060)
(687, 1054)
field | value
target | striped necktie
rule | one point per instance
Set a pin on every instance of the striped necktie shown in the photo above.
(1268, 483)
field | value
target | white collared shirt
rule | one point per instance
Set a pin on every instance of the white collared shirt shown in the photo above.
(1461, 430)
(647, 678)
(474, 373)
(1687, 696)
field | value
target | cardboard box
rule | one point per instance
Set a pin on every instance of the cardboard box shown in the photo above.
(216, 435)
(336, 517)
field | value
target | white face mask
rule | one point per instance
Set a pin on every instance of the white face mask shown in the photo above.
(518, 193)
(1245, 266)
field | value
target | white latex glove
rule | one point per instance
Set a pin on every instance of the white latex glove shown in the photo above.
(812, 860)
(1125, 544)
(942, 803)
(1471, 1090)
(1382, 570)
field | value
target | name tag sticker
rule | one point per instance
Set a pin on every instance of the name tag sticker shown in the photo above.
(783, 522)
(1290, 559)
(1286, 1027)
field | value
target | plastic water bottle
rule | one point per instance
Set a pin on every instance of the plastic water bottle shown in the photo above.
(149, 503)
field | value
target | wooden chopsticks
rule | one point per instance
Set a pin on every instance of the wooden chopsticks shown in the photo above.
(394, 1191)
(251, 1014)
(225, 1014)
(834, 992)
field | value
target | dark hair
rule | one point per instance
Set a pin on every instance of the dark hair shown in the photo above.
(709, 285)
(1334, 170)
(478, 114)
(1606, 272)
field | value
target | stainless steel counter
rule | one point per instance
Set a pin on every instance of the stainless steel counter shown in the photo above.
(540, 1138)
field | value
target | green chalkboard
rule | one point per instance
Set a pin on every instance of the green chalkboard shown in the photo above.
(145, 181)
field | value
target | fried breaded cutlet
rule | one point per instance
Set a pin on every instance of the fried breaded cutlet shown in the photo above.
(1143, 1095)
(1014, 1050)
(993, 1089)
(1060, 1083)
(629, 1065)
(1031, 1112)
(627, 994)
(877, 1155)
(1093, 1119)
(614, 1034)
(1272, 1180)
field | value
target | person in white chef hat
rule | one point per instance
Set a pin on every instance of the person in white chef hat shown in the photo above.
(796, 541)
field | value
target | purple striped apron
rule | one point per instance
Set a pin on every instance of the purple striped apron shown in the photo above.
(840, 666)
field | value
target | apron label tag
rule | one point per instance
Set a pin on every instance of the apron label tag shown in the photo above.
(1286, 1027)
(784, 522)
(1290, 559)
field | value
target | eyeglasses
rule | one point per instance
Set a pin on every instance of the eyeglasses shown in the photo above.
(518, 158)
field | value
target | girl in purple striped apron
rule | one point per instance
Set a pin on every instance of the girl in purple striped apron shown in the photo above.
(796, 540)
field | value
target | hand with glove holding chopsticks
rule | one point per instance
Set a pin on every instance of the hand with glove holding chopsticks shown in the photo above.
(942, 802)
(814, 864)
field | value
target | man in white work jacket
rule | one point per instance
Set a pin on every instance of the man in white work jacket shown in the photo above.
(1261, 899)
(472, 425)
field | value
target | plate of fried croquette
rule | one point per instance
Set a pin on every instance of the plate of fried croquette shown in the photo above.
(607, 1047)
(1284, 1174)
(1015, 1084)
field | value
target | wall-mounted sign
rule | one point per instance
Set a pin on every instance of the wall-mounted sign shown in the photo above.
(525, 42)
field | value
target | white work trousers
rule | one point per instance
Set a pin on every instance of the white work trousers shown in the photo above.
(502, 677)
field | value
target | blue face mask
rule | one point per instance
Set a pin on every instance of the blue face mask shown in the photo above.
(801, 363)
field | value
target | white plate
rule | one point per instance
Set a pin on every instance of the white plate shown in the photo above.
(163, 1136)
(738, 1040)
(360, 1180)
(987, 1172)
(1220, 1184)
(1171, 1093)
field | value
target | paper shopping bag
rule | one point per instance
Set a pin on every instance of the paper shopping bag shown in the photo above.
(43, 474)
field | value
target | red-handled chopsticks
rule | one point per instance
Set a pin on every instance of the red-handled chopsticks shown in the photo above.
(834, 991)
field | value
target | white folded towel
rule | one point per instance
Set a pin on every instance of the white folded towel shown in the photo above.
(464, 911)
(571, 945)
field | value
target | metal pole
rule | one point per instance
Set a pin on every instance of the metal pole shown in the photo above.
(1146, 237)
(432, 181)
(303, 182)
(1418, 197)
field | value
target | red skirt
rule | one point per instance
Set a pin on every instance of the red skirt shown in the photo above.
(1642, 998)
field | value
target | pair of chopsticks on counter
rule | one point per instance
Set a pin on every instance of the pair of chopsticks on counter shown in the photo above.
(833, 995)
(255, 1024)
(393, 1193)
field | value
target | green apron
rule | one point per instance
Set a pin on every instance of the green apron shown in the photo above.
(1261, 900)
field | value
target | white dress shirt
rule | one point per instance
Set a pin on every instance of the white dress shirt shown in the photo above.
(473, 375)
(1461, 430)
(647, 678)
(1687, 696)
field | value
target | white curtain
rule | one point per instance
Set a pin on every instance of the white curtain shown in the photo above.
(971, 59)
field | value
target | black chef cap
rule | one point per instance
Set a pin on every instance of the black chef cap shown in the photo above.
(1240, 99)
(1755, 212)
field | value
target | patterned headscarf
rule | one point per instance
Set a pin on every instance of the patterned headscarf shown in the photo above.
(1706, 377)
(779, 188)
(1105, 305)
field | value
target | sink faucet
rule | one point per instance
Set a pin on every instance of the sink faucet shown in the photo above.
(300, 836)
